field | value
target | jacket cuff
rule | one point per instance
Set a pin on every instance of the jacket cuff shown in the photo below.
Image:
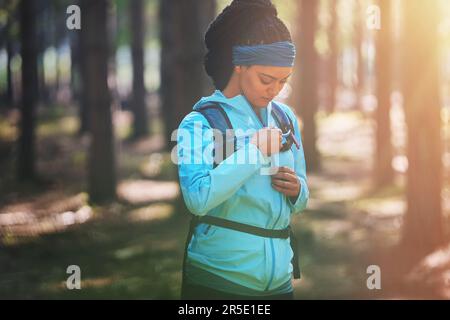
(299, 203)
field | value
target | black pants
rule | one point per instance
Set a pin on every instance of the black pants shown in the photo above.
(197, 292)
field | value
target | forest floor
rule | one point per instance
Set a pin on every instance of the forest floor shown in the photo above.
(132, 248)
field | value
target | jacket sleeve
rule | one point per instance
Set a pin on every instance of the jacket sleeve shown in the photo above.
(204, 187)
(300, 203)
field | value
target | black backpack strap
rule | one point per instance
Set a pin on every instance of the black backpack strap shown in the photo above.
(242, 227)
(286, 124)
(218, 119)
(295, 259)
(281, 116)
(192, 224)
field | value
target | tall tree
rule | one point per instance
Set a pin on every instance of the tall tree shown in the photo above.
(139, 108)
(44, 33)
(76, 78)
(423, 223)
(208, 10)
(306, 101)
(359, 40)
(101, 165)
(383, 173)
(60, 35)
(9, 54)
(332, 77)
(26, 149)
(84, 75)
(182, 74)
(80, 53)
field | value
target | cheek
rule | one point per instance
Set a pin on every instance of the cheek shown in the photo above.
(258, 88)
(252, 88)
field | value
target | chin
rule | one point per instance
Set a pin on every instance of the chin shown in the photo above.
(261, 103)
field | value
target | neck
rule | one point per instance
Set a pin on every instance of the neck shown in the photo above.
(232, 89)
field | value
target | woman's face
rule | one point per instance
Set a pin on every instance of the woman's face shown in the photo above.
(260, 84)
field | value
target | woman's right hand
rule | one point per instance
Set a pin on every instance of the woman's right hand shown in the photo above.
(268, 140)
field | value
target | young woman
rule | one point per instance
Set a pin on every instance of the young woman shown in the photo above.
(250, 57)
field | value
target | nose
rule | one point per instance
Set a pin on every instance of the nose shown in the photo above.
(275, 89)
(272, 91)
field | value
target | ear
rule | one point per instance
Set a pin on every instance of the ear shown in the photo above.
(238, 69)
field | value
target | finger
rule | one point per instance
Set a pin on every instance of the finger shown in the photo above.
(286, 169)
(282, 169)
(284, 184)
(290, 191)
(285, 191)
(276, 129)
(285, 176)
(280, 175)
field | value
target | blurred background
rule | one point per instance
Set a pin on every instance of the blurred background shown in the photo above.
(86, 118)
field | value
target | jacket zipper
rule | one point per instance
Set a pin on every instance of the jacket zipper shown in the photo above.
(273, 265)
(272, 250)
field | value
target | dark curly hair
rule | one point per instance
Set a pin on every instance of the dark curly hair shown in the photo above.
(243, 22)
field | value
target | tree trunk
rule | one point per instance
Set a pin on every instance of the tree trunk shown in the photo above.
(182, 72)
(102, 175)
(383, 173)
(306, 101)
(82, 51)
(139, 107)
(9, 75)
(44, 31)
(359, 39)
(26, 149)
(43, 90)
(208, 10)
(75, 73)
(332, 60)
(78, 75)
(423, 223)
(61, 33)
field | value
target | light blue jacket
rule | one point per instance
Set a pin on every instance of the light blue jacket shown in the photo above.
(239, 192)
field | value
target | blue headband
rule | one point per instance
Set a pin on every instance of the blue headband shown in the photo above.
(278, 54)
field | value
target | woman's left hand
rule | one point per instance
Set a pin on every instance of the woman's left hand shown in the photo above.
(286, 182)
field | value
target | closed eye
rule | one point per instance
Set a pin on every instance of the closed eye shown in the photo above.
(267, 82)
